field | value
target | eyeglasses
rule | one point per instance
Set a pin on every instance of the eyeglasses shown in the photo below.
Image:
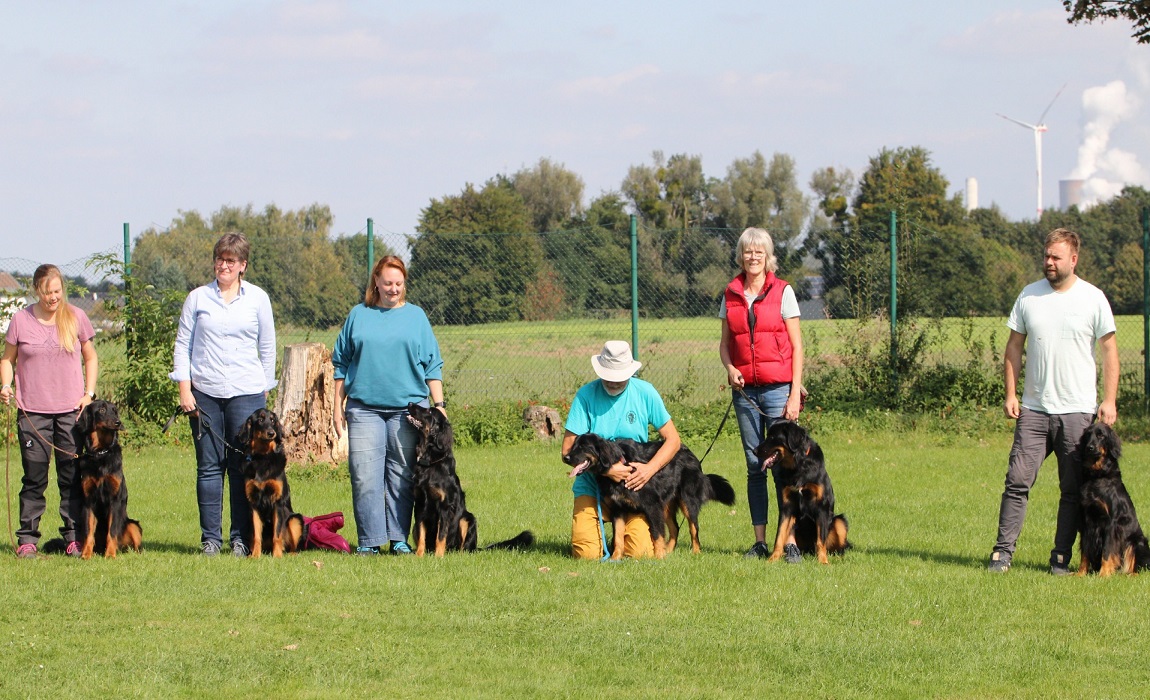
(754, 254)
(227, 262)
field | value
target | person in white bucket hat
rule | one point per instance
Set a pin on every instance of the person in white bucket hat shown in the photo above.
(617, 405)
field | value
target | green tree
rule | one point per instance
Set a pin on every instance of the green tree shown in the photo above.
(292, 258)
(1136, 11)
(593, 259)
(553, 195)
(475, 256)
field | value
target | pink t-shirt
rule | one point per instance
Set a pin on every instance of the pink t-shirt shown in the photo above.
(48, 379)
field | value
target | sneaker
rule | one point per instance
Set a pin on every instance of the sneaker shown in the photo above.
(999, 563)
(792, 554)
(73, 549)
(209, 548)
(239, 549)
(758, 551)
(366, 551)
(26, 551)
(400, 548)
(1059, 570)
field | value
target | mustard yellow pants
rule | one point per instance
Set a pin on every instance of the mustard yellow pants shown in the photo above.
(587, 542)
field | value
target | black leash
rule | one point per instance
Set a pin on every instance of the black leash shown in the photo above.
(728, 415)
(204, 423)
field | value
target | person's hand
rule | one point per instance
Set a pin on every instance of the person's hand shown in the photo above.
(1108, 412)
(735, 377)
(84, 401)
(1011, 408)
(340, 422)
(187, 402)
(619, 471)
(6, 394)
(791, 410)
(641, 473)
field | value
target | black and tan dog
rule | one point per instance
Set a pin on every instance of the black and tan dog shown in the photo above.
(808, 501)
(100, 467)
(680, 485)
(1111, 540)
(441, 513)
(276, 528)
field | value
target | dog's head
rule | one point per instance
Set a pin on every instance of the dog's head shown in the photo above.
(435, 434)
(1099, 450)
(261, 433)
(784, 440)
(99, 422)
(591, 452)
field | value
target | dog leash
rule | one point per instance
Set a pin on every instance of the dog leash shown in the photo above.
(602, 525)
(46, 441)
(7, 474)
(204, 422)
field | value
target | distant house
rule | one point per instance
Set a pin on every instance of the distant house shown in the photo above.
(10, 299)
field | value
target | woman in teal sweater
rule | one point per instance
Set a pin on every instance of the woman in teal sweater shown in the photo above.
(386, 357)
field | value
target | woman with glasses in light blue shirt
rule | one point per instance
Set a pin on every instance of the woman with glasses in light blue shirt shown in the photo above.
(224, 362)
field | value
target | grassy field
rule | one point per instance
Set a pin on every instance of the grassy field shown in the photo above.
(542, 361)
(909, 612)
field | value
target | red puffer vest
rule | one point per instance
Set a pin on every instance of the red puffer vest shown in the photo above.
(762, 351)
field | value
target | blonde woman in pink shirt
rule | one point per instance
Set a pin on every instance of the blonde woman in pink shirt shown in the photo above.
(48, 352)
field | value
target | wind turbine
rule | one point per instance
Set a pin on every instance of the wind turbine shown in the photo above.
(1038, 130)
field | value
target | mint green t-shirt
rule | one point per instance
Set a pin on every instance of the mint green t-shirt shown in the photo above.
(627, 415)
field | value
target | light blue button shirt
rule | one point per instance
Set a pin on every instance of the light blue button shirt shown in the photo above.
(226, 349)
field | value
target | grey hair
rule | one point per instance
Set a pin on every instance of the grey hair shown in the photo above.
(757, 238)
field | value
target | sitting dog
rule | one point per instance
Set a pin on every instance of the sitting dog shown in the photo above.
(266, 486)
(808, 501)
(440, 505)
(1111, 538)
(680, 485)
(100, 468)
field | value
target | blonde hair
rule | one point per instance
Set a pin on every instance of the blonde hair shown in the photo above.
(66, 323)
(371, 296)
(757, 238)
(1064, 235)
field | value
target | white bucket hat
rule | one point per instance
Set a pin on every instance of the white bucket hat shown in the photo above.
(615, 363)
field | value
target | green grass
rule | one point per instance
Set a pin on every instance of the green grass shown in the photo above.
(548, 360)
(909, 612)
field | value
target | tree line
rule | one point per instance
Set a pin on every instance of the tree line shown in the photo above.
(525, 246)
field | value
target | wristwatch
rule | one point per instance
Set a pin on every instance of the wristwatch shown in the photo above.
(440, 404)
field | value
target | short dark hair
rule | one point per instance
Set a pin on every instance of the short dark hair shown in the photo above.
(234, 244)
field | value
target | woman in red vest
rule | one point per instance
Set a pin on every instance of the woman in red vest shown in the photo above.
(762, 351)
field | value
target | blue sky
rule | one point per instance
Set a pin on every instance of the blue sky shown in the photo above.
(134, 111)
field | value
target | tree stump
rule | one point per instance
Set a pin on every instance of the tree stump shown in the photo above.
(305, 403)
(544, 421)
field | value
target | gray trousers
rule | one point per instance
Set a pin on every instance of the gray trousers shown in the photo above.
(38, 432)
(1035, 436)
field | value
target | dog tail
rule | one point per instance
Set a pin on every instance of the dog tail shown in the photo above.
(721, 490)
(521, 541)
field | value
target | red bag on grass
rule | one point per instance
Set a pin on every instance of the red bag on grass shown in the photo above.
(321, 533)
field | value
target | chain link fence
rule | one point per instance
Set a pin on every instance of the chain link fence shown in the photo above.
(519, 315)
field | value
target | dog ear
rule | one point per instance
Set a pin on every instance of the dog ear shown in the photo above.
(442, 434)
(609, 452)
(244, 437)
(84, 420)
(1113, 444)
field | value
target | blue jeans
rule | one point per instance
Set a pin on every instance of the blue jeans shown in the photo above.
(381, 449)
(220, 420)
(771, 399)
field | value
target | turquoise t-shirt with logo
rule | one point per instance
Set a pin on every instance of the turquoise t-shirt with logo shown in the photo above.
(612, 417)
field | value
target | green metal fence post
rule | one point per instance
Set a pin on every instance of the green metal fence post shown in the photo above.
(635, 286)
(894, 296)
(370, 249)
(1146, 304)
(127, 281)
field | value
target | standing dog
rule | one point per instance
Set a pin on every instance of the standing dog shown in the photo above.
(104, 518)
(808, 501)
(1111, 538)
(680, 485)
(440, 505)
(266, 486)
